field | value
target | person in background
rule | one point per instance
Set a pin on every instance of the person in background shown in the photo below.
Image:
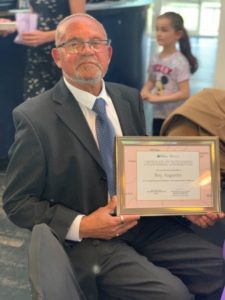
(41, 73)
(168, 82)
(58, 174)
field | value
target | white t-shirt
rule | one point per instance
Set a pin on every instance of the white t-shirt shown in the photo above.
(167, 73)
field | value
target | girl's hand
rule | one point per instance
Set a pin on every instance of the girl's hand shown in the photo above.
(36, 38)
(145, 94)
(153, 98)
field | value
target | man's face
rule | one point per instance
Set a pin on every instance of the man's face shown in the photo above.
(83, 65)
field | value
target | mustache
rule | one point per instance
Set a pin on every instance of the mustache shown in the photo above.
(88, 60)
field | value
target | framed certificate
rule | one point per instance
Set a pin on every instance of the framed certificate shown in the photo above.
(167, 175)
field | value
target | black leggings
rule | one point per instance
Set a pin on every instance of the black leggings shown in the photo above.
(157, 124)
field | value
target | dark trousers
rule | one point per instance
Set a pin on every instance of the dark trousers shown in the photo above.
(159, 259)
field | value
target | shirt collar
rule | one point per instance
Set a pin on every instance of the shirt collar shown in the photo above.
(85, 98)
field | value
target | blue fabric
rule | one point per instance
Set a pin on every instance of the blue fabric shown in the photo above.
(106, 139)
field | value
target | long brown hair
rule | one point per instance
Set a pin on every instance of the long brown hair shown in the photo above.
(177, 23)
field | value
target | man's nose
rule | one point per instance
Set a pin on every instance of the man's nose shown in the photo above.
(87, 48)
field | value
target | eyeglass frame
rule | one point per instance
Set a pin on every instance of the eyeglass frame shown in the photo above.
(89, 42)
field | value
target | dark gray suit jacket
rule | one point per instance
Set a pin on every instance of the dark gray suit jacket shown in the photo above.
(55, 171)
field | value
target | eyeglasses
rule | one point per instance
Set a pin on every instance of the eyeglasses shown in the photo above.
(77, 46)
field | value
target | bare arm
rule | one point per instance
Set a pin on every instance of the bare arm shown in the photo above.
(182, 94)
(146, 90)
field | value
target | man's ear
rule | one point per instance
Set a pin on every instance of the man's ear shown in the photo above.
(110, 51)
(56, 57)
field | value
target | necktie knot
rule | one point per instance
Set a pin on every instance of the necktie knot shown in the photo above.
(99, 108)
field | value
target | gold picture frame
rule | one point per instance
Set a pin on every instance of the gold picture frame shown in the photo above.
(167, 175)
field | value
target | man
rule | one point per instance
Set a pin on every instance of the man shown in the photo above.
(57, 176)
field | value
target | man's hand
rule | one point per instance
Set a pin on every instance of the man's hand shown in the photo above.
(102, 225)
(207, 220)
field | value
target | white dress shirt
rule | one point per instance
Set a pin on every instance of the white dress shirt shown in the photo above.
(86, 102)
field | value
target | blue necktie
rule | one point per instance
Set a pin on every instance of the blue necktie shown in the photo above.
(105, 135)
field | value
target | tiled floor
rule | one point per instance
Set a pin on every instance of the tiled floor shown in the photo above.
(14, 241)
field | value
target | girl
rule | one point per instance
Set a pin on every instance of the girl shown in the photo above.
(168, 83)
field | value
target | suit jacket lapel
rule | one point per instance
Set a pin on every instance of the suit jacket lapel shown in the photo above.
(122, 110)
(70, 113)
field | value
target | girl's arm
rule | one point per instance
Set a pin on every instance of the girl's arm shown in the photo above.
(146, 90)
(182, 94)
(39, 37)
